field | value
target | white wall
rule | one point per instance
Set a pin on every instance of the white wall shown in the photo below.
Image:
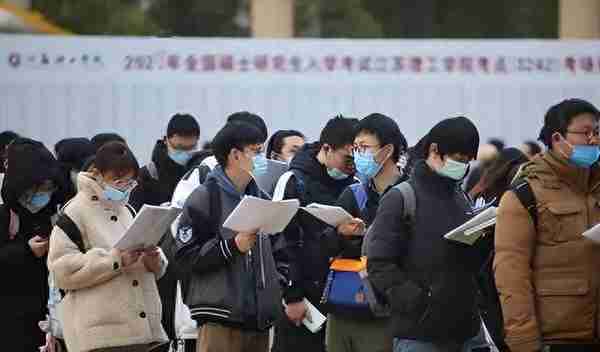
(53, 101)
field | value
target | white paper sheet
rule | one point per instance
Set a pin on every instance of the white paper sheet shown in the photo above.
(267, 216)
(148, 227)
(472, 230)
(330, 215)
(593, 233)
(317, 319)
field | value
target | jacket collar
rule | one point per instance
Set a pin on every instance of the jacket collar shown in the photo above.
(554, 168)
(90, 187)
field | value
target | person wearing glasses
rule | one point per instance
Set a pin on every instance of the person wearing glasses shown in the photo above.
(546, 272)
(31, 191)
(231, 283)
(319, 174)
(111, 301)
(377, 149)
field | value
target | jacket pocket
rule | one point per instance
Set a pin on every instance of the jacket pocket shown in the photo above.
(565, 307)
(561, 222)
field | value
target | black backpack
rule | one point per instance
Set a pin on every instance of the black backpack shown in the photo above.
(491, 311)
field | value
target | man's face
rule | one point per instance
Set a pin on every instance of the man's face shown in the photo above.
(583, 130)
(340, 158)
(182, 143)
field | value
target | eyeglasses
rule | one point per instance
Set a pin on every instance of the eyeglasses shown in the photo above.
(589, 134)
(362, 148)
(124, 185)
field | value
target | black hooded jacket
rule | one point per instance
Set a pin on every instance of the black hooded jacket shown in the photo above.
(26, 277)
(156, 192)
(308, 245)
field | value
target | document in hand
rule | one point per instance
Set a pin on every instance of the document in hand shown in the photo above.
(148, 227)
(267, 216)
(472, 230)
(330, 215)
(593, 233)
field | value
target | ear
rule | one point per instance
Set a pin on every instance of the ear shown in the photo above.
(433, 148)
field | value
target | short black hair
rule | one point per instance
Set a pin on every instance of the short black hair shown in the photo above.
(252, 119)
(498, 143)
(534, 147)
(102, 138)
(276, 142)
(6, 138)
(235, 135)
(74, 151)
(559, 116)
(453, 135)
(116, 157)
(184, 125)
(387, 132)
(339, 132)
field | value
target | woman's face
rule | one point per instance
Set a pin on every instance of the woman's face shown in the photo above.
(120, 181)
(290, 147)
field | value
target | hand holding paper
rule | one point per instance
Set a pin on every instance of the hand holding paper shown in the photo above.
(148, 227)
(334, 216)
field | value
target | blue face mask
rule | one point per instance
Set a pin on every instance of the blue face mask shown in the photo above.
(36, 202)
(366, 166)
(259, 164)
(337, 174)
(181, 157)
(116, 195)
(585, 156)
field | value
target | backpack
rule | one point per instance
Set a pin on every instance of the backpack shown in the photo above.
(492, 313)
(348, 289)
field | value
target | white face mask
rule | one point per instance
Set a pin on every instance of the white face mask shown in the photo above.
(454, 170)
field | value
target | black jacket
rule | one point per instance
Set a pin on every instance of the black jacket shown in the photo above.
(350, 247)
(428, 280)
(156, 192)
(220, 284)
(26, 277)
(308, 244)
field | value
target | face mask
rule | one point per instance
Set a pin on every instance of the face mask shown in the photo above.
(454, 170)
(116, 195)
(37, 202)
(259, 164)
(366, 166)
(336, 174)
(181, 157)
(585, 156)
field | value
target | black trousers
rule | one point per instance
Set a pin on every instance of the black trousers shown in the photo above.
(291, 338)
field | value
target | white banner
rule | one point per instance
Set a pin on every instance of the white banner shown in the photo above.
(54, 87)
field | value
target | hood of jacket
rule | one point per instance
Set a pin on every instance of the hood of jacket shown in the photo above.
(306, 162)
(30, 163)
(219, 175)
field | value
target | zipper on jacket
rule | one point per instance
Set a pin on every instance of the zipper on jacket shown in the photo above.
(427, 308)
(262, 263)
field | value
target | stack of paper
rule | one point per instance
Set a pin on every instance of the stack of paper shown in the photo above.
(472, 230)
(333, 216)
(148, 227)
(263, 215)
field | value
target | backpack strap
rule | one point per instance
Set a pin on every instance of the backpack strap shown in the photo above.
(525, 195)
(410, 200)
(360, 195)
(66, 224)
(152, 170)
(279, 192)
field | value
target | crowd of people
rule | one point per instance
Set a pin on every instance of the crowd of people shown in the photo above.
(387, 279)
